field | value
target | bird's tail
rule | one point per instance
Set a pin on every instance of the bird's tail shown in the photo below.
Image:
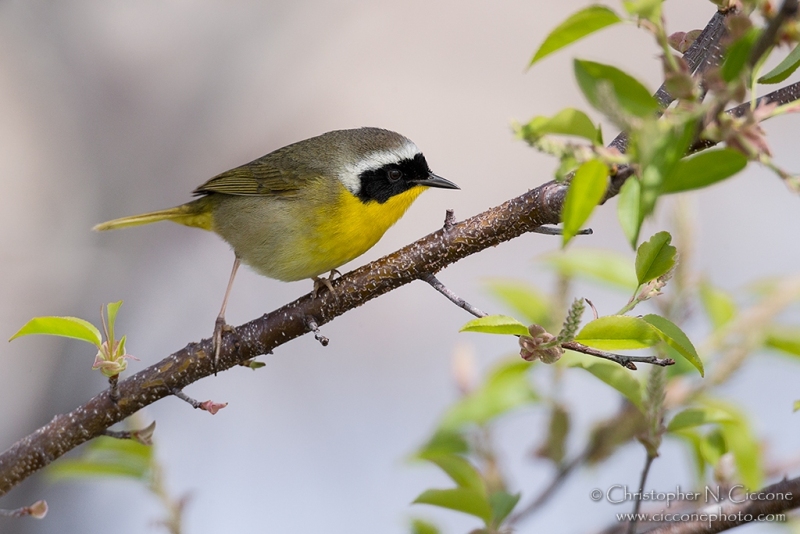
(196, 213)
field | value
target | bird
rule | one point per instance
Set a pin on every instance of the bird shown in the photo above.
(307, 208)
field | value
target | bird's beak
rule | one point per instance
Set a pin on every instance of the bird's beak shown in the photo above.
(436, 181)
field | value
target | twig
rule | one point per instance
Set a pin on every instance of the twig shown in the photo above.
(784, 95)
(455, 299)
(550, 230)
(312, 325)
(767, 38)
(37, 510)
(143, 435)
(637, 500)
(449, 219)
(624, 361)
(186, 398)
(113, 389)
(208, 406)
(703, 53)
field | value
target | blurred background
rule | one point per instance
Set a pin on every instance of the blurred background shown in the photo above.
(114, 108)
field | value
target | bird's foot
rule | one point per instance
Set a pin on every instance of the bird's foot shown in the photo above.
(320, 281)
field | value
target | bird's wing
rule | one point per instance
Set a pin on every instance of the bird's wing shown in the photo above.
(256, 178)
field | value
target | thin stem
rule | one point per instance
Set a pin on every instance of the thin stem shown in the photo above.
(113, 388)
(312, 325)
(631, 303)
(37, 510)
(625, 361)
(637, 501)
(186, 398)
(551, 230)
(455, 299)
(702, 54)
(449, 219)
(768, 37)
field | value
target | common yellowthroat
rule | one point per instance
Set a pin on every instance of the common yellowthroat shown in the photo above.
(307, 208)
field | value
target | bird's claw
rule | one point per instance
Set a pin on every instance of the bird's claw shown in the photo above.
(320, 281)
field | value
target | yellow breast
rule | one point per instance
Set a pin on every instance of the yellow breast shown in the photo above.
(352, 227)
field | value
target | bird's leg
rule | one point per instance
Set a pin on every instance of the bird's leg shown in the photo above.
(320, 281)
(220, 324)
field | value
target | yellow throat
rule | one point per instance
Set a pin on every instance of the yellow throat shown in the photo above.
(355, 226)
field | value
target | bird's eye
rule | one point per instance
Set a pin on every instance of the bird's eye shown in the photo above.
(395, 174)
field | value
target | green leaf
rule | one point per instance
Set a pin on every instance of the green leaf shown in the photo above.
(600, 265)
(704, 169)
(129, 451)
(576, 27)
(555, 446)
(743, 444)
(718, 305)
(784, 69)
(585, 191)
(796, 405)
(630, 94)
(655, 257)
(566, 122)
(618, 332)
(112, 308)
(732, 434)
(737, 55)
(69, 469)
(693, 417)
(71, 327)
(465, 500)
(629, 209)
(459, 469)
(506, 389)
(612, 374)
(646, 9)
(658, 146)
(107, 457)
(444, 442)
(524, 299)
(713, 446)
(420, 526)
(675, 338)
(784, 338)
(496, 324)
(502, 504)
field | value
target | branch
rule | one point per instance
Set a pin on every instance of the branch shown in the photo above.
(784, 95)
(720, 518)
(703, 53)
(414, 262)
(768, 37)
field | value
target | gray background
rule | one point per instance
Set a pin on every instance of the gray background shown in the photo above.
(114, 108)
